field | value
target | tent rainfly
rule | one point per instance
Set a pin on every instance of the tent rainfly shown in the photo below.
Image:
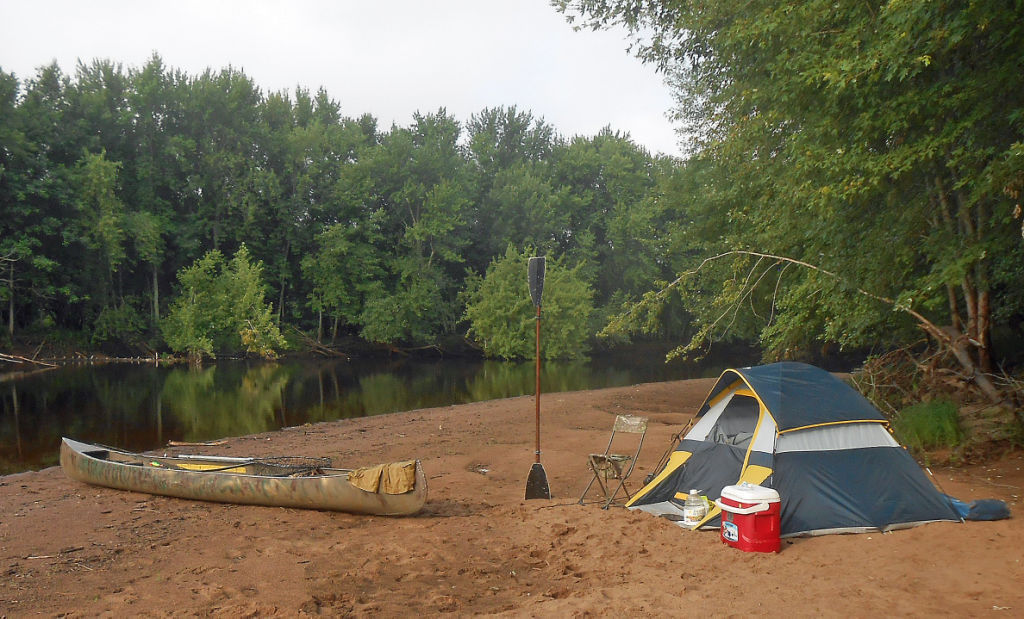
(810, 436)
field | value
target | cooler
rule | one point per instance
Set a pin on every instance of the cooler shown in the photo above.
(750, 518)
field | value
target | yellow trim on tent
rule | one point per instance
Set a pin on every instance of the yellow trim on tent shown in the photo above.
(676, 460)
(754, 474)
(714, 511)
(761, 412)
(724, 392)
(835, 423)
(732, 389)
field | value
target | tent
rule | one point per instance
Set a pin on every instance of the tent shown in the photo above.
(810, 436)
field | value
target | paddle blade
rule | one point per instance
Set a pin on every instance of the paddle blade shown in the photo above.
(537, 483)
(536, 276)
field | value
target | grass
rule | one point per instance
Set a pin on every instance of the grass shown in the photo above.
(929, 425)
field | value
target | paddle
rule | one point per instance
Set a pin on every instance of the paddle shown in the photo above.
(537, 482)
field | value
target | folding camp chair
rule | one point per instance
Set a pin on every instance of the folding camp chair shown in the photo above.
(610, 470)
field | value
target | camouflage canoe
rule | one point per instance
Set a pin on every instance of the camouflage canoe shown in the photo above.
(394, 489)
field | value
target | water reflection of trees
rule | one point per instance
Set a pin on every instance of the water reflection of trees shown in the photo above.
(142, 407)
(221, 400)
(498, 379)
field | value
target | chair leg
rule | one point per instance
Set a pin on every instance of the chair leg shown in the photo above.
(612, 496)
(587, 489)
(602, 484)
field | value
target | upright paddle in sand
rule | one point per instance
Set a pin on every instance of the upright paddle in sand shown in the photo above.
(537, 482)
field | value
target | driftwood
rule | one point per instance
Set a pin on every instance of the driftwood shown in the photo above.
(199, 444)
(902, 377)
(317, 347)
(17, 359)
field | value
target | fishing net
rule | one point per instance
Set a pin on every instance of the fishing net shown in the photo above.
(290, 466)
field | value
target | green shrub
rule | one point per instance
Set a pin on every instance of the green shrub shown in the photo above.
(503, 319)
(221, 309)
(121, 324)
(929, 425)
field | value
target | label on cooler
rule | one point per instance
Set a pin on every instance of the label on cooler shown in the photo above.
(730, 531)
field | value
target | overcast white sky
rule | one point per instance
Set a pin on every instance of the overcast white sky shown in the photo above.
(389, 58)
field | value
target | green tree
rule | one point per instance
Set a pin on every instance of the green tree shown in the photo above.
(344, 272)
(416, 178)
(508, 151)
(152, 177)
(502, 316)
(221, 309)
(35, 196)
(101, 221)
(874, 145)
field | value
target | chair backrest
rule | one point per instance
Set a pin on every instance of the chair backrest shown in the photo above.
(630, 423)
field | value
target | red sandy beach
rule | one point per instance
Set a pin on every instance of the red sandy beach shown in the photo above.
(478, 547)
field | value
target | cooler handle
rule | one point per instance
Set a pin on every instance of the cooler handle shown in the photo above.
(753, 509)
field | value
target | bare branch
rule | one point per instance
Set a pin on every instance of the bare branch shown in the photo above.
(950, 338)
(775, 293)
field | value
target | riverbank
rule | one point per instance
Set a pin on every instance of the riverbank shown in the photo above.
(478, 547)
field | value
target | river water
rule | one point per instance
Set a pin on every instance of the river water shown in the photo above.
(142, 407)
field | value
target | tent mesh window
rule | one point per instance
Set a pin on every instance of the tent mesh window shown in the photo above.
(736, 424)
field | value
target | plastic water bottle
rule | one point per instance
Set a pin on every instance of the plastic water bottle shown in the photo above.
(694, 509)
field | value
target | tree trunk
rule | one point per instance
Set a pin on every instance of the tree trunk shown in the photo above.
(970, 341)
(156, 296)
(10, 302)
(984, 331)
(280, 303)
(971, 301)
(954, 308)
(320, 326)
(284, 281)
(963, 356)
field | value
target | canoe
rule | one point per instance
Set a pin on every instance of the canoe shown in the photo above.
(394, 489)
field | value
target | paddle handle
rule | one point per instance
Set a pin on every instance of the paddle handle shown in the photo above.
(537, 391)
(535, 277)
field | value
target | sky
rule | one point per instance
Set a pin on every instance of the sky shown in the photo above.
(388, 58)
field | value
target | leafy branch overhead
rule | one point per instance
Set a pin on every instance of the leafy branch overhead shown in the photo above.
(882, 153)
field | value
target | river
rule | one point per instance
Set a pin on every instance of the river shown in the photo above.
(142, 406)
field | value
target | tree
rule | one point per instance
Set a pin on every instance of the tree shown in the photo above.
(504, 146)
(883, 148)
(416, 179)
(221, 309)
(345, 271)
(101, 221)
(152, 176)
(113, 180)
(34, 194)
(502, 316)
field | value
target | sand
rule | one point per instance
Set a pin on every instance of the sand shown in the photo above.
(478, 547)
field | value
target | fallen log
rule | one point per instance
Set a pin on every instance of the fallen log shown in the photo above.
(17, 359)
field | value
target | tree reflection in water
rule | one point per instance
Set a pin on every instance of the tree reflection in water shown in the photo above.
(141, 407)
